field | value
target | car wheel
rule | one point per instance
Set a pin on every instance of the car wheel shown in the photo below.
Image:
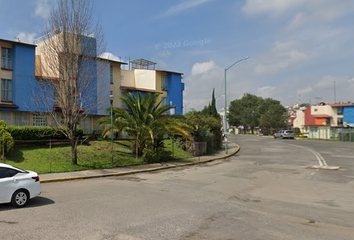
(20, 198)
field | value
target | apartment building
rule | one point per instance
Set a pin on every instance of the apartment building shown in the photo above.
(17, 76)
(24, 66)
(143, 77)
(325, 121)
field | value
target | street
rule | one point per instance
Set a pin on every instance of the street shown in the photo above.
(269, 190)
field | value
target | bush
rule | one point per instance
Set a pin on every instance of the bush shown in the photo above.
(39, 133)
(154, 153)
(6, 140)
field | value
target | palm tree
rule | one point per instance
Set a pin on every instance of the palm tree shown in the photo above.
(145, 120)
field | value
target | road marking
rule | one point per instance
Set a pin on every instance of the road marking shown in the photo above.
(320, 159)
(322, 163)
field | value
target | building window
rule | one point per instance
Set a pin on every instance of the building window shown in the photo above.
(164, 101)
(164, 82)
(39, 120)
(340, 111)
(6, 94)
(339, 121)
(6, 58)
(122, 78)
(124, 105)
(6, 116)
(111, 74)
(21, 119)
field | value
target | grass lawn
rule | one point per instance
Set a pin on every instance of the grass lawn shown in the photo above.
(95, 155)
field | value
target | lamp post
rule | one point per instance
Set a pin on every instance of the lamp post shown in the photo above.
(111, 101)
(225, 127)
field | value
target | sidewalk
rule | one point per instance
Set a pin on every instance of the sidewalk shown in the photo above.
(233, 148)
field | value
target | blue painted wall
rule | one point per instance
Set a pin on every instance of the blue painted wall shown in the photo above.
(23, 72)
(175, 92)
(348, 114)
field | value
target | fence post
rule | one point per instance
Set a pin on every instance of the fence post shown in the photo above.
(50, 155)
(173, 148)
(3, 147)
(81, 155)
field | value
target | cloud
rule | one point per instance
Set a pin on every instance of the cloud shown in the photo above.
(200, 83)
(299, 12)
(203, 68)
(26, 37)
(271, 7)
(183, 7)
(266, 91)
(305, 90)
(43, 8)
(284, 55)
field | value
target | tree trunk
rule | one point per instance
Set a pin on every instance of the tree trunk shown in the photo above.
(73, 143)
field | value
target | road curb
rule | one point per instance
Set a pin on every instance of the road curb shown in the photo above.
(141, 170)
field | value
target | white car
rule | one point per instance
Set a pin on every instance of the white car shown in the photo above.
(17, 186)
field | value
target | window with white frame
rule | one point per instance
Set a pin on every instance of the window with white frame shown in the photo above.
(6, 116)
(21, 118)
(6, 92)
(86, 125)
(164, 82)
(6, 58)
(40, 120)
(122, 78)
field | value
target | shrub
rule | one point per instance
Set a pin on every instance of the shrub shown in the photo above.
(6, 140)
(39, 133)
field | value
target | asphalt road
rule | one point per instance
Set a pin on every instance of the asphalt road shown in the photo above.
(267, 191)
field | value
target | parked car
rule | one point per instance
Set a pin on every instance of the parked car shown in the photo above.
(17, 186)
(284, 134)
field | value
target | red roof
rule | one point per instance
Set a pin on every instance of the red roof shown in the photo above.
(321, 115)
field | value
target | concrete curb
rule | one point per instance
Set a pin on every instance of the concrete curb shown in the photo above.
(142, 170)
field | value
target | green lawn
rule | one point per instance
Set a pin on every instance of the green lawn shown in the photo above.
(95, 155)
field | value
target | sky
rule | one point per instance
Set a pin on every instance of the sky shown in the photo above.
(299, 51)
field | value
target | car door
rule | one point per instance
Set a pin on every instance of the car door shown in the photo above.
(8, 183)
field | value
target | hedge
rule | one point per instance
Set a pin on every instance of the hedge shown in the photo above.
(39, 133)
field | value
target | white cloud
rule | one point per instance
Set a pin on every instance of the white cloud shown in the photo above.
(182, 7)
(272, 7)
(43, 8)
(203, 68)
(300, 12)
(305, 90)
(26, 37)
(200, 83)
(284, 55)
(266, 91)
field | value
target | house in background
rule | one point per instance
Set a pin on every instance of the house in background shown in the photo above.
(326, 121)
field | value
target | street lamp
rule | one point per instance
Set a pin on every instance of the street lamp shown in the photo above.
(225, 127)
(111, 101)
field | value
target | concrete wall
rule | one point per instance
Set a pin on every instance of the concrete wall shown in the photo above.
(145, 79)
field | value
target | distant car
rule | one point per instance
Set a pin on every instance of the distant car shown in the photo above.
(284, 134)
(17, 186)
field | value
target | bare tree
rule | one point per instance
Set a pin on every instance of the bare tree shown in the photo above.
(68, 67)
